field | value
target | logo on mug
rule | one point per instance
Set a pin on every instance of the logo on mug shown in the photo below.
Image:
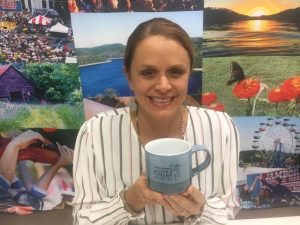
(170, 173)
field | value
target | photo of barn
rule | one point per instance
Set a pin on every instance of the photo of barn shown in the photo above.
(14, 87)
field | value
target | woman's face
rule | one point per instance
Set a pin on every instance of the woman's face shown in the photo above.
(159, 75)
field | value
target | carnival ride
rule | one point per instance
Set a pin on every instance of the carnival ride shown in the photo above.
(278, 140)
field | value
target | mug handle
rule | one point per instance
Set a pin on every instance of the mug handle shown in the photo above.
(202, 166)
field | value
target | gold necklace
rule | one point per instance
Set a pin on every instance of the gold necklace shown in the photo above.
(138, 131)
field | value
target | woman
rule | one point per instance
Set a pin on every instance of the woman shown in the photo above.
(27, 191)
(245, 194)
(110, 186)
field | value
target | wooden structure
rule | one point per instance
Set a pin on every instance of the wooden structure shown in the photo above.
(14, 86)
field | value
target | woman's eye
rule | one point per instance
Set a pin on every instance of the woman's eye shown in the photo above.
(147, 73)
(176, 73)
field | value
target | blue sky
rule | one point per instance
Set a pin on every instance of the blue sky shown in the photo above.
(247, 125)
(94, 29)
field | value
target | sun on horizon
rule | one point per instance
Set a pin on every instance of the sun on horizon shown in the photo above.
(259, 11)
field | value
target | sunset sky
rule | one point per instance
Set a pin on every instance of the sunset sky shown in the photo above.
(254, 7)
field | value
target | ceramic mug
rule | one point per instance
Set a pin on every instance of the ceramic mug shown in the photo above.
(169, 164)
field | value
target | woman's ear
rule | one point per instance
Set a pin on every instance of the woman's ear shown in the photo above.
(127, 74)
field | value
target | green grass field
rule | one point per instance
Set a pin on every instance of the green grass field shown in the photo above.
(270, 70)
(60, 116)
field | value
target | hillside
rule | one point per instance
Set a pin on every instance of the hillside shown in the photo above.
(99, 53)
(104, 52)
(215, 16)
(290, 15)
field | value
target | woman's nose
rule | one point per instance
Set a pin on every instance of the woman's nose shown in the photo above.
(163, 83)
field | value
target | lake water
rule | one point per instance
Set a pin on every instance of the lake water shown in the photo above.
(252, 37)
(96, 78)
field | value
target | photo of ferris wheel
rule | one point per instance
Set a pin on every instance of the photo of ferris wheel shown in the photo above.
(278, 139)
(269, 156)
(270, 142)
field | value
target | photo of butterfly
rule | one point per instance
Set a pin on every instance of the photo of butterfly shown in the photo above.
(236, 73)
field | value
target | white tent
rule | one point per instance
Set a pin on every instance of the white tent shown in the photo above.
(59, 28)
(71, 60)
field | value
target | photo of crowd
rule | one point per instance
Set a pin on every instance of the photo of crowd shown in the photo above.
(37, 36)
(134, 5)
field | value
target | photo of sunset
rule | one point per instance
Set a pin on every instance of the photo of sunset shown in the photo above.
(254, 7)
(264, 27)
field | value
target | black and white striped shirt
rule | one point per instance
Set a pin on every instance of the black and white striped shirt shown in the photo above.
(107, 160)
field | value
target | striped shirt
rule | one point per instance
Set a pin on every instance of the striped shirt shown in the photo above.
(108, 158)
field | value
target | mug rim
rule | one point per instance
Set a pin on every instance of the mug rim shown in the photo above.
(161, 139)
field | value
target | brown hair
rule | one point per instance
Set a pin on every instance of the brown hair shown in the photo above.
(160, 27)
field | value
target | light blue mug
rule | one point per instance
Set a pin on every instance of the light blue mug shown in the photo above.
(169, 164)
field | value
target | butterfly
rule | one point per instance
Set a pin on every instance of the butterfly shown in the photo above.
(236, 72)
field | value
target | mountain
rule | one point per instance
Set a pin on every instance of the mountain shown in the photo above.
(214, 16)
(220, 16)
(289, 15)
(109, 50)
(99, 53)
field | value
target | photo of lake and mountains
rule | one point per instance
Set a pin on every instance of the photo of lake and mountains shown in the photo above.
(100, 54)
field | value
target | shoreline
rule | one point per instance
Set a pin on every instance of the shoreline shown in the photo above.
(92, 64)
(97, 63)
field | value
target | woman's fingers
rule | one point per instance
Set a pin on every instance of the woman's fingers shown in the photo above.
(185, 204)
(27, 138)
(66, 153)
(176, 205)
(194, 194)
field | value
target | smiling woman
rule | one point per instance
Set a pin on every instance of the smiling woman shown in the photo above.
(109, 166)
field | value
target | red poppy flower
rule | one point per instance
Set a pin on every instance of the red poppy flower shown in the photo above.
(291, 87)
(208, 97)
(49, 129)
(276, 95)
(217, 107)
(246, 88)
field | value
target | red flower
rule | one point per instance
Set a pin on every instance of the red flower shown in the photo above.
(246, 88)
(217, 107)
(208, 97)
(276, 95)
(49, 129)
(291, 87)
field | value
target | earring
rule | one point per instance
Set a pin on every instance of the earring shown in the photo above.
(132, 104)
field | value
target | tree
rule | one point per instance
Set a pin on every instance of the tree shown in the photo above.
(54, 82)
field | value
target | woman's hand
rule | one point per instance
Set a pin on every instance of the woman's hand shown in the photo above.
(139, 195)
(27, 138)
(188, 203)
(66, 155)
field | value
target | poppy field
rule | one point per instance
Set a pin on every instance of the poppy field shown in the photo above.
(269, 85)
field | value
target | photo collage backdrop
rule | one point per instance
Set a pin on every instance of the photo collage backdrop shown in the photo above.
(251, 70)
(61, 62)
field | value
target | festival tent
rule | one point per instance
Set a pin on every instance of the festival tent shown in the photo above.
(40, 20)
(59, 28)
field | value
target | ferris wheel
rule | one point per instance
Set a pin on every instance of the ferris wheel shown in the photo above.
(278, 140)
